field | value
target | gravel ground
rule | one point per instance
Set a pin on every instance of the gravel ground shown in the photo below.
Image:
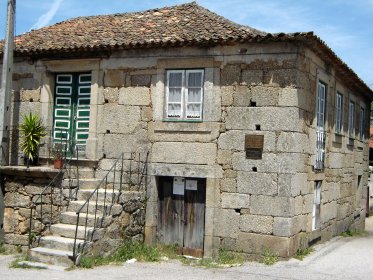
(340, 258)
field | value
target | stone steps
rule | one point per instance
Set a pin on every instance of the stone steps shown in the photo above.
(40, 265)
(68, 231)
(58, 242)
(84, 173)
(57, 248)
(88, 183)
(102, 208)
(70, 218)
(109, 195)
(52, 256)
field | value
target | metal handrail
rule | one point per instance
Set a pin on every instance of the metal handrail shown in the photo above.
(42, 193)
(104, 181)
(86, 203)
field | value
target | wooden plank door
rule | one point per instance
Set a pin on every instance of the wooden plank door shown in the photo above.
(182, 213)
(171, 209)
(194, 221)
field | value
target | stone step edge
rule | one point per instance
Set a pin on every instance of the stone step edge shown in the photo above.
(52, 252)
(39, 265)
(60, 239)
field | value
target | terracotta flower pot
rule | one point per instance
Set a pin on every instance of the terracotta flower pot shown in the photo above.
(58, 163)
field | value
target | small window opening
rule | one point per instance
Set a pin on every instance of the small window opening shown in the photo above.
(359, 181)
(257, 126)
(255, 169)
(252, 103)
(316, 206)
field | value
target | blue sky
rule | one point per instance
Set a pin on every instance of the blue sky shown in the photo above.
(345, 25)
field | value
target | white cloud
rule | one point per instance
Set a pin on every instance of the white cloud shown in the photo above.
(45, 18)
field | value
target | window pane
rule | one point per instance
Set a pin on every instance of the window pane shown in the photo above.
(320, 113)
(351, 124)
(175, 80)
(195, 79)
(338, 113)
(174, 95)
(194, 111)
(174, 110)
(194, 95)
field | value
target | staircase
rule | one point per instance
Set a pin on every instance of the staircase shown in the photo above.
(96, 201)
(57, 247)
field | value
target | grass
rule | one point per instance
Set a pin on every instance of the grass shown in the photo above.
(351, 233)
(16, 263)
(131, 250)
(3, 250)
(302, 253)
(224, 259)
(269, 257)
(156, 253)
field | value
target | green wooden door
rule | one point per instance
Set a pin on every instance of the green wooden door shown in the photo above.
(72, 111)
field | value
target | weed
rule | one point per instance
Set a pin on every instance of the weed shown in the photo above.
(229, 258)
(302, 253)
(269, 257)
(224, 259)
(129, 250)
(91, 261)
(3, 250)
(351, 233)
(169, 251)
(19, 249)
(136, 250)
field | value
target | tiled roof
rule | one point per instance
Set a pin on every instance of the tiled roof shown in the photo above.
(182, 25)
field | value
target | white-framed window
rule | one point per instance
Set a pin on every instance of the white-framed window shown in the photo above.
(320, 125)
(184, 94)
(351, 119)
(316, 205)
(362, 123)
(338, 112)
(321, 105)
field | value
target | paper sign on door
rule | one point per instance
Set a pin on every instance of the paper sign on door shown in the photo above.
(191, 185)
(178, 187)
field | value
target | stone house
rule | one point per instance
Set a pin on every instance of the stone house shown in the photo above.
(256, 140)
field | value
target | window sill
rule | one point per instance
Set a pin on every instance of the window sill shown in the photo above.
(338, 138)
(182, 121)
(185, 126)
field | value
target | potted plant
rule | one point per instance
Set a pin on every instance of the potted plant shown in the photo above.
(57, 155)
(32, 131)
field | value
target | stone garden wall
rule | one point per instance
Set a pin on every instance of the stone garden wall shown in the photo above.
(125, 222)
(21, 190)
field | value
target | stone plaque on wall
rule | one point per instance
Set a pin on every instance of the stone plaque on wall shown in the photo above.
(254, 146)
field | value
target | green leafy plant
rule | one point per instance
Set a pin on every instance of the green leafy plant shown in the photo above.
(32, 131)
(2, 249)
(302, 253)
(351, 233)
(269, 257)
(57, 152)
(129, 250)
(223, 259)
